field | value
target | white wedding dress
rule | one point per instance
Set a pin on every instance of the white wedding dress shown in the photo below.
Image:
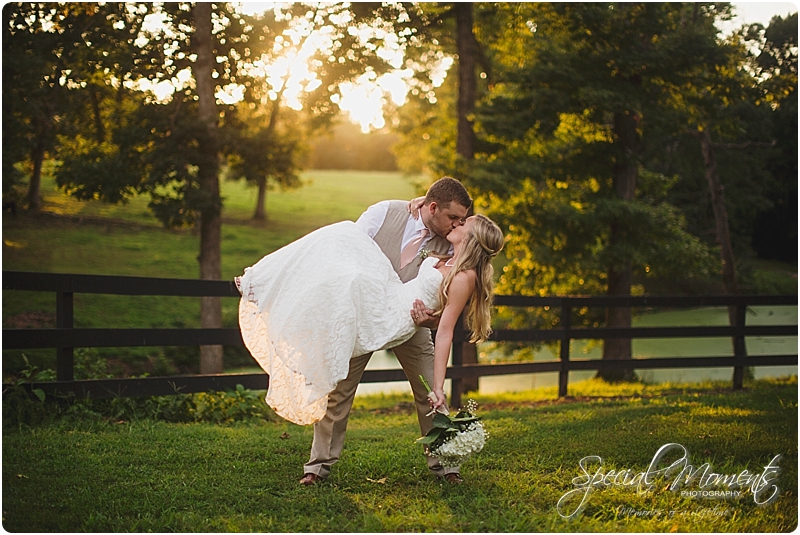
(311, 306)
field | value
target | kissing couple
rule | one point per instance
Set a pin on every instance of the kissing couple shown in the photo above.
(313, 312)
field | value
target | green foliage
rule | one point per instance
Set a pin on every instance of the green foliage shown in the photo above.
(22, 405)
(776, 63)
(552, 177)
(214, 407)
(768, 277)
(54, 79)
(248, 158)
(775, 232)
(23, 408)
(427, 128)
(550, 146)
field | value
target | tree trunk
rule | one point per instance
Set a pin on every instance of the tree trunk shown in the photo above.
(465, 139)
(99, 129)
(261, 201)
(467, 84)
(720, 215)
(723, 237)
(208, 177)
(35, 184)
(620, 276)
(44, 133)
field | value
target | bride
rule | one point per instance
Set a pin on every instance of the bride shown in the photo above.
(311, 306)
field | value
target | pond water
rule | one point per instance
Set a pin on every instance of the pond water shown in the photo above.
(644, 348)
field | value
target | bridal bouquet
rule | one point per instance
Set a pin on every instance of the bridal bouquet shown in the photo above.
(454, 440)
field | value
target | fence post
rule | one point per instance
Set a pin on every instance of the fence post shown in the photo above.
(65, 356)
(566, 326)
(739, 347)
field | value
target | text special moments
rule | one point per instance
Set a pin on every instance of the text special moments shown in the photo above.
(677, 474)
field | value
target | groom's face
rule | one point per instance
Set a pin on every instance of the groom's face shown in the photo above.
(444, 218)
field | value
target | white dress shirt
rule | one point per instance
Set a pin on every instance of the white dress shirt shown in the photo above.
(372, 220)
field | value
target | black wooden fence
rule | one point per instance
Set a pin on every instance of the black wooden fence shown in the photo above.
(65, 337)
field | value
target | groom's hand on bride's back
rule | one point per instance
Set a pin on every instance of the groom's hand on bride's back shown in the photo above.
(423, 316)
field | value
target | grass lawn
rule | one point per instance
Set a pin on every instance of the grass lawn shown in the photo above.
(93, 237)
(771, 277)
(95, 475)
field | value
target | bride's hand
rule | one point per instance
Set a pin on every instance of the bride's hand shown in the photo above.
(423, 316)
(441, 400)
(414, 206)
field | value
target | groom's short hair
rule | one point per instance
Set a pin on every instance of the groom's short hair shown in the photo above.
(447, 190)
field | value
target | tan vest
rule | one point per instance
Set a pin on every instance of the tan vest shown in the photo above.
(390, 239)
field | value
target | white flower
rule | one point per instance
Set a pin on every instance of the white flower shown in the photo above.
(459, 447)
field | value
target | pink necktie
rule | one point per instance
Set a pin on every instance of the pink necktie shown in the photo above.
(411, 250)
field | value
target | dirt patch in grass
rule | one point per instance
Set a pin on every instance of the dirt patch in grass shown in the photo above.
(404, 407)
(30, 320)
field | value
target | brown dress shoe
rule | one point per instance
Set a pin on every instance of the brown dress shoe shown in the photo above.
(311, 479)
(454, 478)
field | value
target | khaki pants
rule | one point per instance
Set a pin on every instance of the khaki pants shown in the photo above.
(416, 358)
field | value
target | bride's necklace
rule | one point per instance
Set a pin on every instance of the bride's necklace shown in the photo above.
(449, 263)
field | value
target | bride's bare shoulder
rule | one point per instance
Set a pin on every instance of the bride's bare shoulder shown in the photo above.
(465, 278)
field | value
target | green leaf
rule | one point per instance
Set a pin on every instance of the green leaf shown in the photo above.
(465, 420)
(441, 420)
(39, 394)
(432, 436)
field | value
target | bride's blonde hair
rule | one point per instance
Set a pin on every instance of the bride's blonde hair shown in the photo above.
(480, 245)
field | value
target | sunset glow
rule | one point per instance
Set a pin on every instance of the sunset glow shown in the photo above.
(289, 73)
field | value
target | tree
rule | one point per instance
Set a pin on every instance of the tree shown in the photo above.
(247, 159)
(210, 207)
(319, 38)
(442, 33)
(729, 112)
(582, 94)
(44, 48)
(775, 230)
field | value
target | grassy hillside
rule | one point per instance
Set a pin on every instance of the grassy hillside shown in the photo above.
(93, 237)
(96, 238)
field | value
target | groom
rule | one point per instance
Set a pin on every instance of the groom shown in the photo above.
(401, 238)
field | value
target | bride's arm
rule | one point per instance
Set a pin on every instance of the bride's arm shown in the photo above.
(460, 289)
(414, 206)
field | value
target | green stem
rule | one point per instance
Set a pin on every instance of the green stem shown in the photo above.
(425, 383)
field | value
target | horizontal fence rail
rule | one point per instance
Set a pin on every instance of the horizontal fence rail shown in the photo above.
(65, 337)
